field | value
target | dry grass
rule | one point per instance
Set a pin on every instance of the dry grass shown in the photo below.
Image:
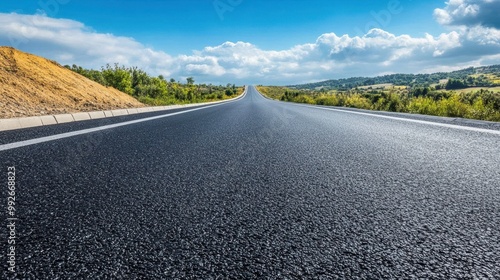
(472, 89)
(377, 86)
(33, 86)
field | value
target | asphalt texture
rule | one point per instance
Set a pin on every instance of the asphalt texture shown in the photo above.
(257, 189)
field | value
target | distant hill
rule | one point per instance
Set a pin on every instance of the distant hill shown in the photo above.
(31, 85)
(402, 79)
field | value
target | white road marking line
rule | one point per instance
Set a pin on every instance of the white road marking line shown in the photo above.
(454, 126)
(15, 145)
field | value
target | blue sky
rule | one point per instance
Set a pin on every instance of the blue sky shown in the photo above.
(177, 26)
(245, 41)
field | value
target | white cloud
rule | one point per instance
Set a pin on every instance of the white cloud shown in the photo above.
(68, 41)
(330, 56)
(470, 13)
(379, 46)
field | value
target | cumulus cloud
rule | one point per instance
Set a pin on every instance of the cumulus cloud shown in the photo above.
(330, 56)
(379, 46)
(69, 41)
(470, 13)
(333, 56)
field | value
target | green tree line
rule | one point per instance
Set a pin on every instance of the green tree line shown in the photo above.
(481, 104)
(458, 79)
(156, 90)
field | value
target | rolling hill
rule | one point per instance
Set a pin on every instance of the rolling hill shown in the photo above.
(407, 79)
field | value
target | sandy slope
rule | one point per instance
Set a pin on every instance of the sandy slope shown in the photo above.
(33, 86)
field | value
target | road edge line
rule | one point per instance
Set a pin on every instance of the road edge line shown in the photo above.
(36, 121)
(14, 145)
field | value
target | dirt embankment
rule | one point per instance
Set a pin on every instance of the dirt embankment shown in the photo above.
(32, 86)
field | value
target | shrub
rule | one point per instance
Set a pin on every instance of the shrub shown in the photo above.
(304, 99)
(423, 105)
(328, 100)
(357, 101)
(452, 107)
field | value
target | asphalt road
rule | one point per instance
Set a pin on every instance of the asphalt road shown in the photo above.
(256, 189)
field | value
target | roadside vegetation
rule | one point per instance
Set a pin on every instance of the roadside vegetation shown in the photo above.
(156, 90)
(456, 97)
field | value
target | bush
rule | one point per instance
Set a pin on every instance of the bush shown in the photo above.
(390, 102)
(423, 105)
(304, 99)
(328, 100)
(118, 77)
(357, 101)
(482, 105)
(155, 90)
(452, 107)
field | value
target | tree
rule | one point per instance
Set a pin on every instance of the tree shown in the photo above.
(118, 77)
(455, 84)
(154, 90)
(140, 79)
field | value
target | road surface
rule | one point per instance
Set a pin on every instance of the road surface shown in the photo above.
(254, 189)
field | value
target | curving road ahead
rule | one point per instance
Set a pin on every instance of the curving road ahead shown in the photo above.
(256, 189)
